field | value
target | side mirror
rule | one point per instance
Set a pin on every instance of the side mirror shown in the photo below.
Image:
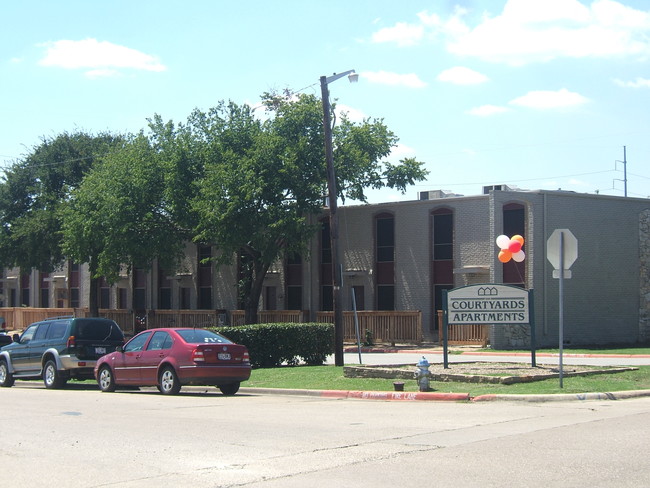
(119, 349)
(15, 338)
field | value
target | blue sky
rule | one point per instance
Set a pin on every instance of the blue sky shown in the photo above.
(532, 94)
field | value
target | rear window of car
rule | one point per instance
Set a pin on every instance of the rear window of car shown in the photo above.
(98, 330)
(202, 336)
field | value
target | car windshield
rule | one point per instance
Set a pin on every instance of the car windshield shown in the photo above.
(98, 330)
(202, 336)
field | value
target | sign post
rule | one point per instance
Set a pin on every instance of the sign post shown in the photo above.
(562, 251)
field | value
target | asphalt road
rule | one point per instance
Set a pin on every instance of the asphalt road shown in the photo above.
(84, 438)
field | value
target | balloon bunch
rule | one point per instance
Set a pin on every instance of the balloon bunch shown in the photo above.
(511, 248)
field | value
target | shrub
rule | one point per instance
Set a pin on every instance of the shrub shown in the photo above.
(271, 345)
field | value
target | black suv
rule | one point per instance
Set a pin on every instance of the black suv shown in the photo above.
(58, 349)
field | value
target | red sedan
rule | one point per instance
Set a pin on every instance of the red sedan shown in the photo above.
(170, 358)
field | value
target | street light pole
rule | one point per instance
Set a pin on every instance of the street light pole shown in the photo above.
(337, 302)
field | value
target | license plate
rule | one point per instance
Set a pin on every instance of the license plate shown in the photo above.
(224, 355)
(100, 350)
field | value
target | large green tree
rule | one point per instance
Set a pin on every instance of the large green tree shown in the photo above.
(259, 182)
(35, 190)
(120, 215)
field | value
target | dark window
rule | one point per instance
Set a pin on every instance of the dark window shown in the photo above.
(359, 297)
(443, 236)
(159, 341)
(385, 239)
(514, 223)
(137, 343)
(139, 301)
(185, 295)
(165, 299)
(385, 297)
(205, 298)
(327, 298)
(74, 297)
(97, 330)
(294, 297)
(41, 333)
(202, 336)
(57, 329)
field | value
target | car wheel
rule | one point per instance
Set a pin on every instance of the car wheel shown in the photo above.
(6, 378)
(229, 389)
(106, 380)
(51, 376)
(169, 384)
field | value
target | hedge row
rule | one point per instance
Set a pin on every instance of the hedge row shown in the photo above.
(271, 345)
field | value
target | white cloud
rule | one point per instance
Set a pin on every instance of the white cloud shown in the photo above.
(637, 83)
(402, 34)
(487, 110)
(544, 99)
(460, 75)
(532, 31)
(102, 58)
(410, 80)
(528, 31)
(401, 151)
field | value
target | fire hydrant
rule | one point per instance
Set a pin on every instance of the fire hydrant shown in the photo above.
(422, 374)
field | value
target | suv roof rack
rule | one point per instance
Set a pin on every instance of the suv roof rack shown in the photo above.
(59, 317)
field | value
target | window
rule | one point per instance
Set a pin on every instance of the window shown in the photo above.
(160, 340)
(514, 222)
(385, 261)
(137, 343)
(41, 333)
(57, 329)
(359, 297)
(204, 254)
(442, 263)
(294, 281)
(325, 268)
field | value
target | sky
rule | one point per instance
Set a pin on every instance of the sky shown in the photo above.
(551, 94)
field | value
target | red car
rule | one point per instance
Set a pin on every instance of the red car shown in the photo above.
(170, 358)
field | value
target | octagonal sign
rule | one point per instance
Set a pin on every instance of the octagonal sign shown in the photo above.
(570, 248)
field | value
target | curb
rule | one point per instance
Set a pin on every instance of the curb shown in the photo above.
(563, 397)
(365, 395)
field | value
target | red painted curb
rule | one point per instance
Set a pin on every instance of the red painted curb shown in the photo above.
(397, 395)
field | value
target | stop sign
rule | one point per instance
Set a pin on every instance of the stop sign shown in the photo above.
(570, 248)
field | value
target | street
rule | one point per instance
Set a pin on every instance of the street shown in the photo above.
(82, 437)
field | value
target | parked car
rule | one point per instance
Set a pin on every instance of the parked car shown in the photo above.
(171, 357)
(58, 349)
(5, 339)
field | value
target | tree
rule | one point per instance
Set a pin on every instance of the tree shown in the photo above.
(261, 181)
(35, 190)
(119, 215)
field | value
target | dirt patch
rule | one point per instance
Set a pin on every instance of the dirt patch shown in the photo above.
(480, 372)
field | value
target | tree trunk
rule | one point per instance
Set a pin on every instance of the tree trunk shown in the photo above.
(252, 301)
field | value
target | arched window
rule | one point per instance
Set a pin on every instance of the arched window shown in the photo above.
(514, 222)
(385, 261)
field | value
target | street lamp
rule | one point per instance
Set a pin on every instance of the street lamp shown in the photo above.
(337, 302)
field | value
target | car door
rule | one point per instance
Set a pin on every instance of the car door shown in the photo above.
(37, 347)
(126, 365)
(19, 351)
(156, 351)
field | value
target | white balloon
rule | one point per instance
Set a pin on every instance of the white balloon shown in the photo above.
(503, 242)
(519, 256)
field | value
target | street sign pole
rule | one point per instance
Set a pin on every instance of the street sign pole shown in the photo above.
(561, 300)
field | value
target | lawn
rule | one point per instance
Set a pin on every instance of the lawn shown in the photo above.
(331, 378)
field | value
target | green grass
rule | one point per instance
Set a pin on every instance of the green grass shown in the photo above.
(331, 378)
(584, 350)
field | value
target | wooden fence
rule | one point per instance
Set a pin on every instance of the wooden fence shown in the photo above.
(384, 326)
(465, 335)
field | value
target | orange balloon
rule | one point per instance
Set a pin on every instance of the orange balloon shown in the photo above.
(518, 238)
(505, 255)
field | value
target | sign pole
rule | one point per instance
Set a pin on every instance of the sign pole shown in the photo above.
(445, 351)
(531, 321)
(561, 300)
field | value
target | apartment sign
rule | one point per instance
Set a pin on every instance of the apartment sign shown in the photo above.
(487, 304)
